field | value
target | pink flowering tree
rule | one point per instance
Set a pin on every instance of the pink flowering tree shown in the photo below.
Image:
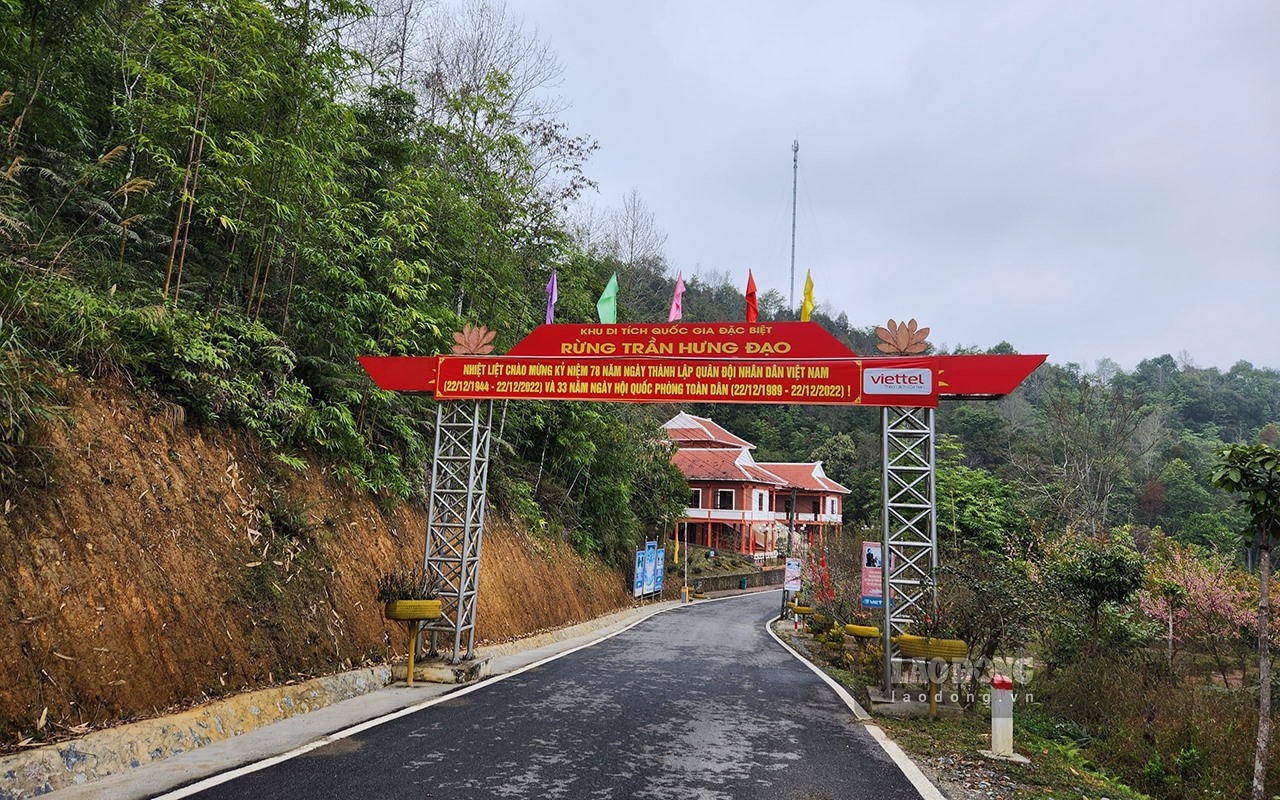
(1201, 598)
(1252, 473)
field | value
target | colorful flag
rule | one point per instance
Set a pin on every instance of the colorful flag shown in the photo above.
(607, 305)
(676, 309)
(753, 310)
(807, 306)
(552, 297)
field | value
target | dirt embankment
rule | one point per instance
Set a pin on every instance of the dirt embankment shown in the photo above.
(165, 564)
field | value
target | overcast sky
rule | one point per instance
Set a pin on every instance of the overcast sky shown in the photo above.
(1085, 179)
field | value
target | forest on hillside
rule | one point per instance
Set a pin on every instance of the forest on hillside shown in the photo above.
(224, 204)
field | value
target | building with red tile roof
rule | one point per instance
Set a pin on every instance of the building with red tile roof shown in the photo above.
(687, 430)
(739, 505)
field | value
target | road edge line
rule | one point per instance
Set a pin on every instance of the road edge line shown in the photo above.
(256, 766)
(910, 770)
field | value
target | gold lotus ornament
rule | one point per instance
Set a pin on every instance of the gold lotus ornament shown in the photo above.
(902, 339)
(473, 341)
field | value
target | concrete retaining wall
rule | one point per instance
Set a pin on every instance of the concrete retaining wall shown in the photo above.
(771, 576)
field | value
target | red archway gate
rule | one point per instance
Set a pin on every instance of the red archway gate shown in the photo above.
(779, 362)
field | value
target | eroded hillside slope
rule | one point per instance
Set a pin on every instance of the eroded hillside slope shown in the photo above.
(165, 564)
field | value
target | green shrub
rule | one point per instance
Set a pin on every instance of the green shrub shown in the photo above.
(1174, 739)
(27, 401)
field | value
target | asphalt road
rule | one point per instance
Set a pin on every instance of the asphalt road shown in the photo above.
(698, 702)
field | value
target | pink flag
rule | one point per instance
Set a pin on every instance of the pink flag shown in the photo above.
(676, 309)
(753, 310)
(552, 297)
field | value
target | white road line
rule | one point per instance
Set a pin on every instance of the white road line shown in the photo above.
(909, 769)
(208, 783)
(247, 769)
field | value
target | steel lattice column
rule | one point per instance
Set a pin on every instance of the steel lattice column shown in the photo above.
(908, 523)
(455, 516)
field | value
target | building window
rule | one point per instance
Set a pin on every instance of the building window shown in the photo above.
(817, 509)
(695, 498)
(724, 499)
(760, 500)
(831, 506)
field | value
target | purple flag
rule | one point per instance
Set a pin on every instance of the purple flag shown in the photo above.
(676, 309)
(552, 297)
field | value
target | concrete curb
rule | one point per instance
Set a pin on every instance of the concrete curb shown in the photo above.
(922, 784)
(113, 751)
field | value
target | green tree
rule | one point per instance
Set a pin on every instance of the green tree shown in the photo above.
(1184, 497)
(975, 508)
(839, 456)
(1091, 573)
(993, 601)
(1253, 473)
(982, 430)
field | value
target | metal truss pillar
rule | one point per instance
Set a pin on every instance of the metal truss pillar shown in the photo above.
(908, 523)
(455, 517)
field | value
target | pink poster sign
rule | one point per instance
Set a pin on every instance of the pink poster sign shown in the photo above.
(872, 580)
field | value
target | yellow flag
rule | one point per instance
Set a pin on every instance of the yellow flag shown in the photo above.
(807, 305)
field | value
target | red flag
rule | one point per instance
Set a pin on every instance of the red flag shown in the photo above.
(752, 310)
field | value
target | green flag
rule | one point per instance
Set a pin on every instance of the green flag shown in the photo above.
(607, 305)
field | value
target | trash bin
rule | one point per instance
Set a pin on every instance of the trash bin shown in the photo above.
(742, 583)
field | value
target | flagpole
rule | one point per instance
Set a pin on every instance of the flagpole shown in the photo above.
(795, 172)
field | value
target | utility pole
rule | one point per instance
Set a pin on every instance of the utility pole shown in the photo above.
(795, 172)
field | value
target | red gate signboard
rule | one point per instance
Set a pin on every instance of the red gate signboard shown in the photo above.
(782, 362)
(906, 381)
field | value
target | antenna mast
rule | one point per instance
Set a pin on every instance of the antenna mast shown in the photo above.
(795, 171)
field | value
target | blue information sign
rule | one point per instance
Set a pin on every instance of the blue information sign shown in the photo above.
(650, 565)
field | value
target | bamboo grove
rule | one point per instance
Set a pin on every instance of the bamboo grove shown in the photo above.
(224, 203)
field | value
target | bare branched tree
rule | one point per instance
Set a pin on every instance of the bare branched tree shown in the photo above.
(393, 39)
(1095, 436)
(448, 54)
(632, 232)
(474, 38)
(587, 227)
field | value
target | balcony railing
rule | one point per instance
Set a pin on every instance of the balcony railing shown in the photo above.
(728, 515)
(756, 517)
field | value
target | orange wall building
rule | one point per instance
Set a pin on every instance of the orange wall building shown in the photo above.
(740, 505)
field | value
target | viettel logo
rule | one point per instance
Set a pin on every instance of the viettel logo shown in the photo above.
(897, 381)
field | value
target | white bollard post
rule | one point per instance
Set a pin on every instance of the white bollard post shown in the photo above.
(1001, 715)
